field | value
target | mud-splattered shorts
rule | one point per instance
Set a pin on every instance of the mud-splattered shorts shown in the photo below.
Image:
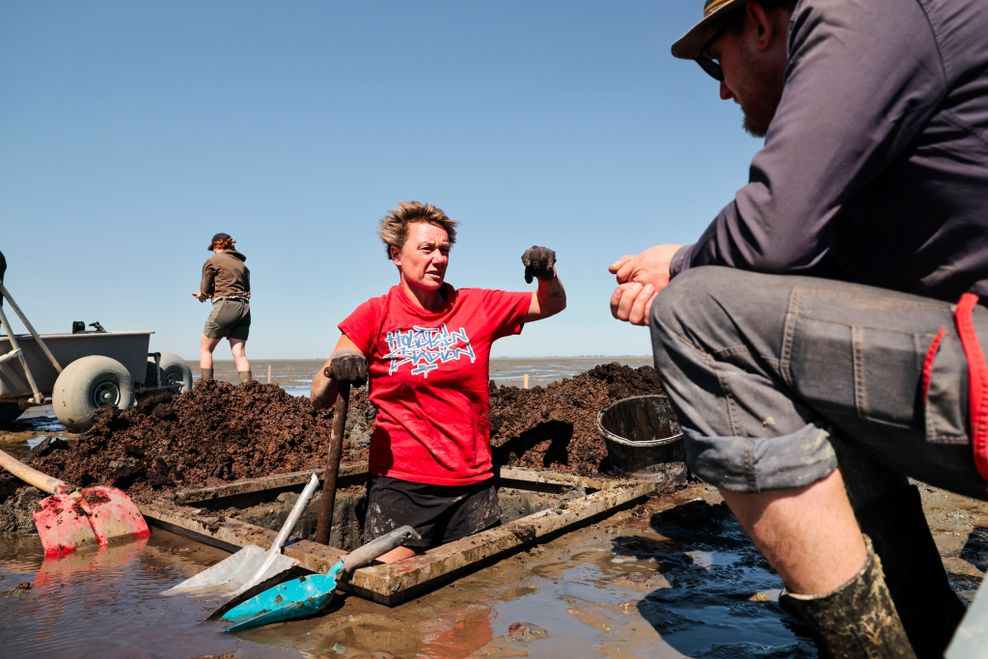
(439, 513)
(764, 369)
(230, 318)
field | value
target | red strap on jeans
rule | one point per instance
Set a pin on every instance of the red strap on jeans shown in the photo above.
(977, 380)
(931, 355)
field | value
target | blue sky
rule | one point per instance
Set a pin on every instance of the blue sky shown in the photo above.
(130, 132)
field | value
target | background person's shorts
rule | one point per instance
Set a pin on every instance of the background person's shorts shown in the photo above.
(228, 319)
(439, 513)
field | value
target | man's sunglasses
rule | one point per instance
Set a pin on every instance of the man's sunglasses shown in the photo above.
(707, 62)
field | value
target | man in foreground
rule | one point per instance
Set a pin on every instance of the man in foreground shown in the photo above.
(831, 316)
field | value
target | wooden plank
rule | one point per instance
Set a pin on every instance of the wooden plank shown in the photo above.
(252, 485)
(393, 584)
(262, 484)
(524, 474)
(210, 528)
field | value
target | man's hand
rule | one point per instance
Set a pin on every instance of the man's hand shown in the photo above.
(199, 295)
(539, 262)
(640, 278)
(347, 366)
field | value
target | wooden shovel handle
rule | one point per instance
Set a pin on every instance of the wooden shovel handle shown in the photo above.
(328, 501)
(32, 476)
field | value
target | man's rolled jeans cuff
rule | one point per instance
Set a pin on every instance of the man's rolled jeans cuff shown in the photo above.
(755, 464)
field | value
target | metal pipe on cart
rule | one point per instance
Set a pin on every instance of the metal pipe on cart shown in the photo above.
(30, 328)
(38, 396)
(13, 354)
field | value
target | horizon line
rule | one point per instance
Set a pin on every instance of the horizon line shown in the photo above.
(500, 358)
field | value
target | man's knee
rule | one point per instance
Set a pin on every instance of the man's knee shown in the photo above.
(749, 464)
(681, 305)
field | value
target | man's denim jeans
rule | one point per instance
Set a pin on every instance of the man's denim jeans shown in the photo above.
(762, 369)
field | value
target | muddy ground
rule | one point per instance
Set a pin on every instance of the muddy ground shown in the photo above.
(219, 432)
(672, 576)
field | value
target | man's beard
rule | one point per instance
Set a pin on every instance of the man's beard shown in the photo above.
(762, 96)
(758, 115)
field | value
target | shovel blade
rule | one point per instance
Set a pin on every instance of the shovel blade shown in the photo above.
(281, 565)
(218, 577)
(63, 524)
(309, 594)
(252, 591)
(95, 516)
(113, 515)
(234, 574)
(293, 599)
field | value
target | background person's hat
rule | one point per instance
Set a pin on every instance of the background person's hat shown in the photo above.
(216, 238)
(688, 46)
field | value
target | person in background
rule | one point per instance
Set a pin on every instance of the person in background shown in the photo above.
(425, 346)
(874, 171)
(226, 281)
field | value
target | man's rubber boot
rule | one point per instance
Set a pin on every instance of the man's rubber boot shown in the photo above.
(245, 376)
(856, 620)
(205, 374)
(930, 610)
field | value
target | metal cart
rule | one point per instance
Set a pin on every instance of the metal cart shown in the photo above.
(79, 371)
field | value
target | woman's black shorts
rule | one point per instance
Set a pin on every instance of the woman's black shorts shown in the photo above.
(439, 513)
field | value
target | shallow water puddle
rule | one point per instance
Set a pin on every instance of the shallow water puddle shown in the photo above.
(107, 603)
(626, 587)
(33, 426)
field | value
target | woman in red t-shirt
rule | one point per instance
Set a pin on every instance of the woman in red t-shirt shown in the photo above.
(425, 347)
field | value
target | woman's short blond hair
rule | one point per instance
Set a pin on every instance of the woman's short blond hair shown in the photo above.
(393, 227)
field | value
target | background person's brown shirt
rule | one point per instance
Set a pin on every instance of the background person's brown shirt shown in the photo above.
(225, 275)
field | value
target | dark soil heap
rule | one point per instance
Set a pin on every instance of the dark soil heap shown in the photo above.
(220, 432)
(216, 432)
(556, 427)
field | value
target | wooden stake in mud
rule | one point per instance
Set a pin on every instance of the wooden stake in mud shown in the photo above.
(328, 501)
(269, 373)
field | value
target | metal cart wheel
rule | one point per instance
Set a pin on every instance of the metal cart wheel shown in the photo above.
(174, 370)
(86, 384)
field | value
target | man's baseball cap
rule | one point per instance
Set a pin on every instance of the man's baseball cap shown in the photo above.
(688, 46)
(216, 238)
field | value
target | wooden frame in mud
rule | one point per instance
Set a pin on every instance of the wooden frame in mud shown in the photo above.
(396, 583)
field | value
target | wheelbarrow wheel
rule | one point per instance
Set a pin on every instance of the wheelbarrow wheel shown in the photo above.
(9, 412)
(87, 384)
(174, 371)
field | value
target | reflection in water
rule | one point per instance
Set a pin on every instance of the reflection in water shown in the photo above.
(32, 428)
(722, 597)
(106, 602)
(464, 634)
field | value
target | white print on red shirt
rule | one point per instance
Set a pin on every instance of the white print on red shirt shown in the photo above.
(426, 347)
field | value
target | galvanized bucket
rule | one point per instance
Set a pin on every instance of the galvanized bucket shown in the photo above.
(641, 435)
